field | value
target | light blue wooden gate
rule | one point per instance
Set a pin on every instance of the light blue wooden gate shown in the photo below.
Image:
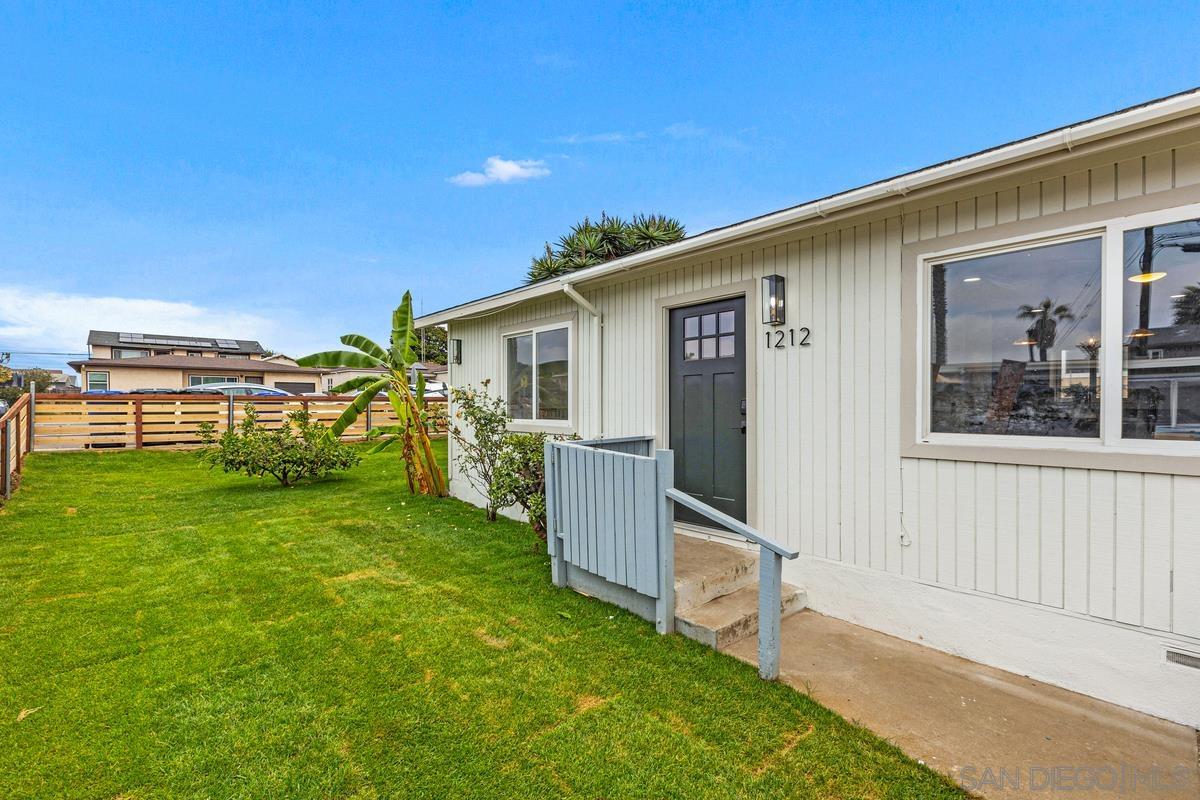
(610, 532)
(607, 517)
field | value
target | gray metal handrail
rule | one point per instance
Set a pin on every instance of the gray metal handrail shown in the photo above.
(770, 579)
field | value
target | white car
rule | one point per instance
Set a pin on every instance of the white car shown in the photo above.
(235, 389)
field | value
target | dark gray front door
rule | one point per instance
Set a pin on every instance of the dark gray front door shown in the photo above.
(708, 405)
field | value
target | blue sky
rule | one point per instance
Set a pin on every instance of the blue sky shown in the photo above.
(285, 172)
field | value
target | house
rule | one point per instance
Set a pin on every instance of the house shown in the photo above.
(131, 361)
(966, 395)
(59, 380)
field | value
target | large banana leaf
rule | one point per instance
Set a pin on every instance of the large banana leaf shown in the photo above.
(356, 407)
(340, 358)
(355, 383)
(366, 345)
(404, 338)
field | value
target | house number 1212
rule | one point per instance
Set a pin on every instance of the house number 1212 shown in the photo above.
(792, 337)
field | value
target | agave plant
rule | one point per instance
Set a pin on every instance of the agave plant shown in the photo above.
(423, 472)
(590, 243)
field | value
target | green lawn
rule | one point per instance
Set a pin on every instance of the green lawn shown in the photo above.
(166, 631)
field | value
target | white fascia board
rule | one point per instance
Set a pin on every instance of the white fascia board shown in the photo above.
(1068, 138)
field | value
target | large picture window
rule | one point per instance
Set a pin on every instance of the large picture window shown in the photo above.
(1014, 342)
(1085, 338)
(1161, 310)
(538, 374)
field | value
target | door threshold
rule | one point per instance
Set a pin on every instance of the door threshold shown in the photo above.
(712, 534)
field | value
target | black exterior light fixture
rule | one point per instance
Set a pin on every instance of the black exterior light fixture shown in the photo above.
(772, 299)
(456, 351)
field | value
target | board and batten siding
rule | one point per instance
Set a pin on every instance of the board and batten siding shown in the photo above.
(1117, 546)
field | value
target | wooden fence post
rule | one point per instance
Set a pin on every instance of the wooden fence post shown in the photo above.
(558, 564)
(137, 424)
(19, 450)
(370, 406)
(664, 606)
(6, 479)
(230, 420)
(29, 418)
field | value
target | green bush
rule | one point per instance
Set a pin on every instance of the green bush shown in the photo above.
(300, 449)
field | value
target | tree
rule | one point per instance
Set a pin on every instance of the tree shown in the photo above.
(591, 243)
(1045, 315)
(431, 345)
(421, 466)
(297, 450)
(5, 372)
(1187, 307)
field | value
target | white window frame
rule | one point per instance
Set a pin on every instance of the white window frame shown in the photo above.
(1111, 234)
(196, 379)
(534, 422)
(88, 384)
(144, 352)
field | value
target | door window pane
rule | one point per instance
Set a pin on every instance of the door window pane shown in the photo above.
(726, 347)
(708, 348)
(1015, 341)
(691, 349)
(691, 327)
(1161, 330)
(708, 325)
(726, 322)
(519, 359)
(553, 374)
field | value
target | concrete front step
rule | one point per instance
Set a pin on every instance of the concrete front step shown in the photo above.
(726, 619)
(705, 570)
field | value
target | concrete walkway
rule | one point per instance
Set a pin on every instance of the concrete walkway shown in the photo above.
(998, 734)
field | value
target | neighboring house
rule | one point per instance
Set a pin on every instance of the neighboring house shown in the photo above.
(130, 361)
(874, 379)
(339, 375)
(432, 371)
(59, 380)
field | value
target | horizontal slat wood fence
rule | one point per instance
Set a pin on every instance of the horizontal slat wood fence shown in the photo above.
(16, 439)
(84, 422)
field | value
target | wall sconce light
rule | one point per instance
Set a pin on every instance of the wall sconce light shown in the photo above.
(456, 351)
(772, 299)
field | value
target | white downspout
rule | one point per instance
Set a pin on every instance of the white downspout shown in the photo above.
(597, 356)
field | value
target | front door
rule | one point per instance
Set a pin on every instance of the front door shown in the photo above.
(707, 383)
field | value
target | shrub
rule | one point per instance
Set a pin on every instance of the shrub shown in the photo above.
(477, 454)
(300, 449)
(521, 476)
(508, 469)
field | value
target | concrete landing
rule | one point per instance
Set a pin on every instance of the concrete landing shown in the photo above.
(998, 734)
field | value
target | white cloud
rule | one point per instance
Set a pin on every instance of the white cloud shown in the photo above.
(600, 138)
(502, 170)
(33, 320)
(684, 130)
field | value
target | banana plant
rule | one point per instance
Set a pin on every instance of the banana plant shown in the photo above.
(421, 467)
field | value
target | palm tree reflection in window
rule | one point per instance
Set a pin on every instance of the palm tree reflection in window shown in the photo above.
(1044, 330)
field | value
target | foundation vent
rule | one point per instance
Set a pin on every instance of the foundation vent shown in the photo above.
(1184, 659)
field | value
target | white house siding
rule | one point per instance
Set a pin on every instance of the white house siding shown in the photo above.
(1119, 548)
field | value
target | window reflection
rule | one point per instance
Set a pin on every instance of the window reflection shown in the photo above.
(1161, 392)
(553, 389)
(520, 376)
(1015, 342)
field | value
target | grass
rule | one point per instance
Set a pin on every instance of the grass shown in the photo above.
(166, 631)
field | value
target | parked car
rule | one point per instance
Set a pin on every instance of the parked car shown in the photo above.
(234, 389)
(103, 391)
